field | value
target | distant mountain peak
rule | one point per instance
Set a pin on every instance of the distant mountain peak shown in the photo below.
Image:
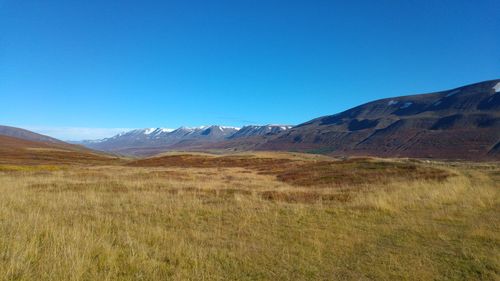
(258, 130)
(161, 137)
(155, 131)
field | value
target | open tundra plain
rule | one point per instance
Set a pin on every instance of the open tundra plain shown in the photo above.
(251, 216)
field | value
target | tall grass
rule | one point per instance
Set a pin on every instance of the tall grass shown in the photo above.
(130, 223)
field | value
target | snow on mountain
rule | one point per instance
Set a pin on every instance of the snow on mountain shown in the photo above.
(149, 131)
(497, 88)
(160, 137)
(163, 137)
(255, 130)
(406, 105)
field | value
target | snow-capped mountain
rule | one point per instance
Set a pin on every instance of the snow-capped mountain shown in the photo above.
(254, 130)
(163, 139)
(214, 132)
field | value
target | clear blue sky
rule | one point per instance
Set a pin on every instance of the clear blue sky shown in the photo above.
(132, 64)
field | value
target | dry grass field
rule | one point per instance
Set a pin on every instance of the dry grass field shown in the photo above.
(262, 216)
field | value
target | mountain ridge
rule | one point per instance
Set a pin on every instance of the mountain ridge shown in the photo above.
(154, 140)
(26, 134)
(461, 123)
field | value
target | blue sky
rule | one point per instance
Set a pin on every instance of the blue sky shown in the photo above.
(104, 66)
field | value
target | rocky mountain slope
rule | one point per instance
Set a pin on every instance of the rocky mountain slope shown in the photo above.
(462, 123)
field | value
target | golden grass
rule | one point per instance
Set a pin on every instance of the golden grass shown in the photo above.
(30, 168)
(209, 222)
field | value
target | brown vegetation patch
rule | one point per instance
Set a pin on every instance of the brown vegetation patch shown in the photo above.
(304, 196)
(202, 161)
(356, 171)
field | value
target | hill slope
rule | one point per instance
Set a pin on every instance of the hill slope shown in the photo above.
(463, 123)
(26, 135)
(22, 151)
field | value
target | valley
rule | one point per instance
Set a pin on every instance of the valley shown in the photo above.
(244, 216)
(402, 188)
(249, 140)
(456, 124)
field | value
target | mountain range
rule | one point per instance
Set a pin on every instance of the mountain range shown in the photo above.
(461, 123)
(154, 140)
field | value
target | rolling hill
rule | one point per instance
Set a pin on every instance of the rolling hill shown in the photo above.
(32, 148)
(26, 135)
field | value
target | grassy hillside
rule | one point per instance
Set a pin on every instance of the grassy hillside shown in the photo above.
(26, 152)
(250, 217)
